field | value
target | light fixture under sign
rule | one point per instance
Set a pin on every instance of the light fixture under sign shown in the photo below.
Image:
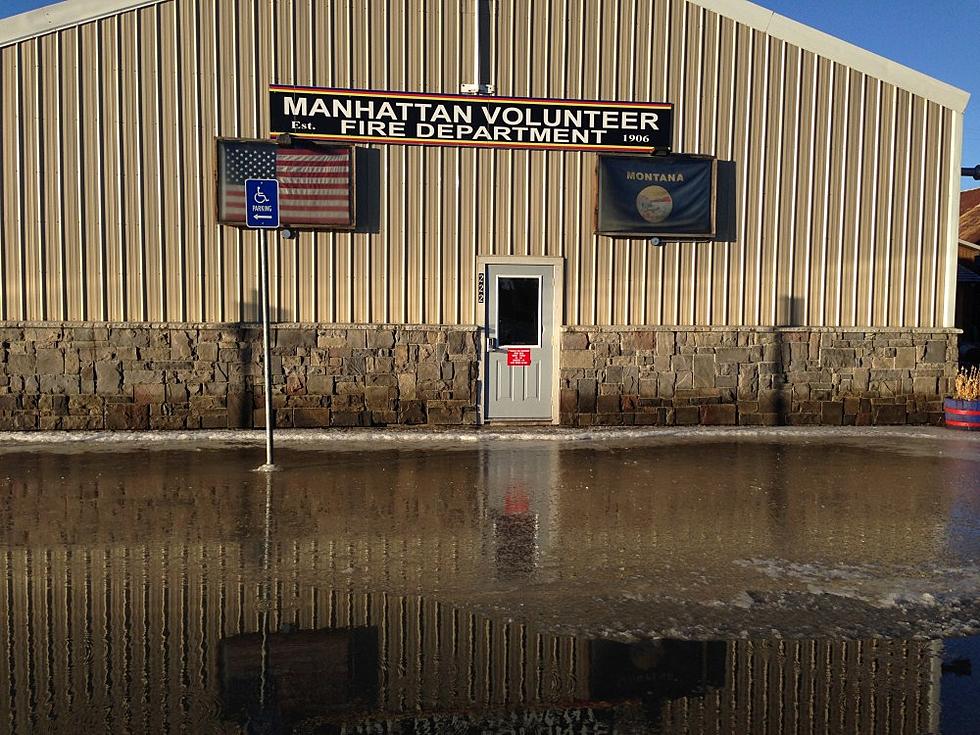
(484, 89)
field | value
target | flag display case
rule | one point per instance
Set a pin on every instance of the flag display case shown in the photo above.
(316, 182)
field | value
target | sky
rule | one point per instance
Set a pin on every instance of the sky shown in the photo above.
(937, 37)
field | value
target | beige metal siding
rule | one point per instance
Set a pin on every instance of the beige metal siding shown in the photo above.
(108, 144)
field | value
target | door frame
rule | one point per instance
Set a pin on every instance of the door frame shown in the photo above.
(480, 319)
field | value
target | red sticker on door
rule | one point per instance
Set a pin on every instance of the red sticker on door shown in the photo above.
(518, 357)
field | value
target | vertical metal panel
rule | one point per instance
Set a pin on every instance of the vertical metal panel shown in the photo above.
(851, 192)
(131, 146)
(724, 124)
(772, 184)
(207, 131)
(32, 242)
(759, 93)
(108, 163)
(900, 221)
(916, 213)
(172, 262)
(691, 140)
(708, 40)
(49, 185)
(947, 236)
(866, 233)
(805, 202)
(187, 42)
(229, 88)
(819, 233)
(792, 186)
(741, 61)
(880, 287)
(934, 221)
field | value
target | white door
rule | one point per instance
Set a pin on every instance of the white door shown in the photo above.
(520, 328)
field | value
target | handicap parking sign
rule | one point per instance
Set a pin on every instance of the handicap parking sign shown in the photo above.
(262, 203)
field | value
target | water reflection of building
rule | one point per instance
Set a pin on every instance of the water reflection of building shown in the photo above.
(438, 506)
(127, 638)
(120, 591)
(519, 499)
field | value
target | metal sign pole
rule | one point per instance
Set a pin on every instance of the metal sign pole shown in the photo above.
(262, 213)
(266, 362)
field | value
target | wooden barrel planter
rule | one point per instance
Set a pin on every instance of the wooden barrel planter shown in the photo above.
(962, 414)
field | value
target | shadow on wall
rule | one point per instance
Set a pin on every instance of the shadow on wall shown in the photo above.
(726, 198)
(790, 314)
(367, 190)
(244, 375)
(250, 309)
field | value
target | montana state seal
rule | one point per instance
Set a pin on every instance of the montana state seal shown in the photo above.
(654, 204)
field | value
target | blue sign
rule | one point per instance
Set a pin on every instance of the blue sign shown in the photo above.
(262, 203)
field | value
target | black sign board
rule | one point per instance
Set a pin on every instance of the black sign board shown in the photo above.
(671, 197)
(354, 115)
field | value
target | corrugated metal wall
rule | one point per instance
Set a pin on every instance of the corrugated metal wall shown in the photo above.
(108, 129)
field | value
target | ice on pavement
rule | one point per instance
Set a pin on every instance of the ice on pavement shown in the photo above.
(695, 532)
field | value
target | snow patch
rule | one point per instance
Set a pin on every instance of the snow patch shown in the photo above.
(331, 438)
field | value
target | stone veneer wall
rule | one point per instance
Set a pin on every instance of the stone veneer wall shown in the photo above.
(755, 376)
(187, 376)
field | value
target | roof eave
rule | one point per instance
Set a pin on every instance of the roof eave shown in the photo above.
(72, 12)
(62, 15)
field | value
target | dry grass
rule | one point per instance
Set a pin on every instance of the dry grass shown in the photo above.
(967, 385)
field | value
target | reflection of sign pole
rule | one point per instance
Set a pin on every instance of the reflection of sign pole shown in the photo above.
(266, 582)
(262, 212)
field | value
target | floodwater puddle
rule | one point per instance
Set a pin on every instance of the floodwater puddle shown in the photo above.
(769, 585)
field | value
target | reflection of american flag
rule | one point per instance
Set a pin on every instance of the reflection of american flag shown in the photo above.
(314, 183)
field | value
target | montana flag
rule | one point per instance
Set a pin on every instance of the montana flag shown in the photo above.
(315, 183)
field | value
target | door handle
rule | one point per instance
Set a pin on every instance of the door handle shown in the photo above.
(491, 343)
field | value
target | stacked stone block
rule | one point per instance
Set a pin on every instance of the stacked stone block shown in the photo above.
(755, 376)
(181, 376)
(167, 376)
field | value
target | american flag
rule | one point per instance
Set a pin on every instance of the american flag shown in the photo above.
(314, 183)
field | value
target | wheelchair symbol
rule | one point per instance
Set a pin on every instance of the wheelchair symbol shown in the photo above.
(259, 197)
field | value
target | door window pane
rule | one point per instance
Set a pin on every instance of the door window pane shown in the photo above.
(517, 311)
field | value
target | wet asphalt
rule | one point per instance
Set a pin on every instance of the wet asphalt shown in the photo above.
(486, 576)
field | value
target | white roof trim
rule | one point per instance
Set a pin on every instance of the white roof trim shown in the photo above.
(72, 12)
(830, 47)
(61, 15)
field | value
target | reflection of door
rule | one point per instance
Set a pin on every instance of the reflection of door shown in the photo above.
(520, 317)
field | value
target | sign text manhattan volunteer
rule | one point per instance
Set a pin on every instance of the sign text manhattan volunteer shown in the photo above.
(408, 118)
